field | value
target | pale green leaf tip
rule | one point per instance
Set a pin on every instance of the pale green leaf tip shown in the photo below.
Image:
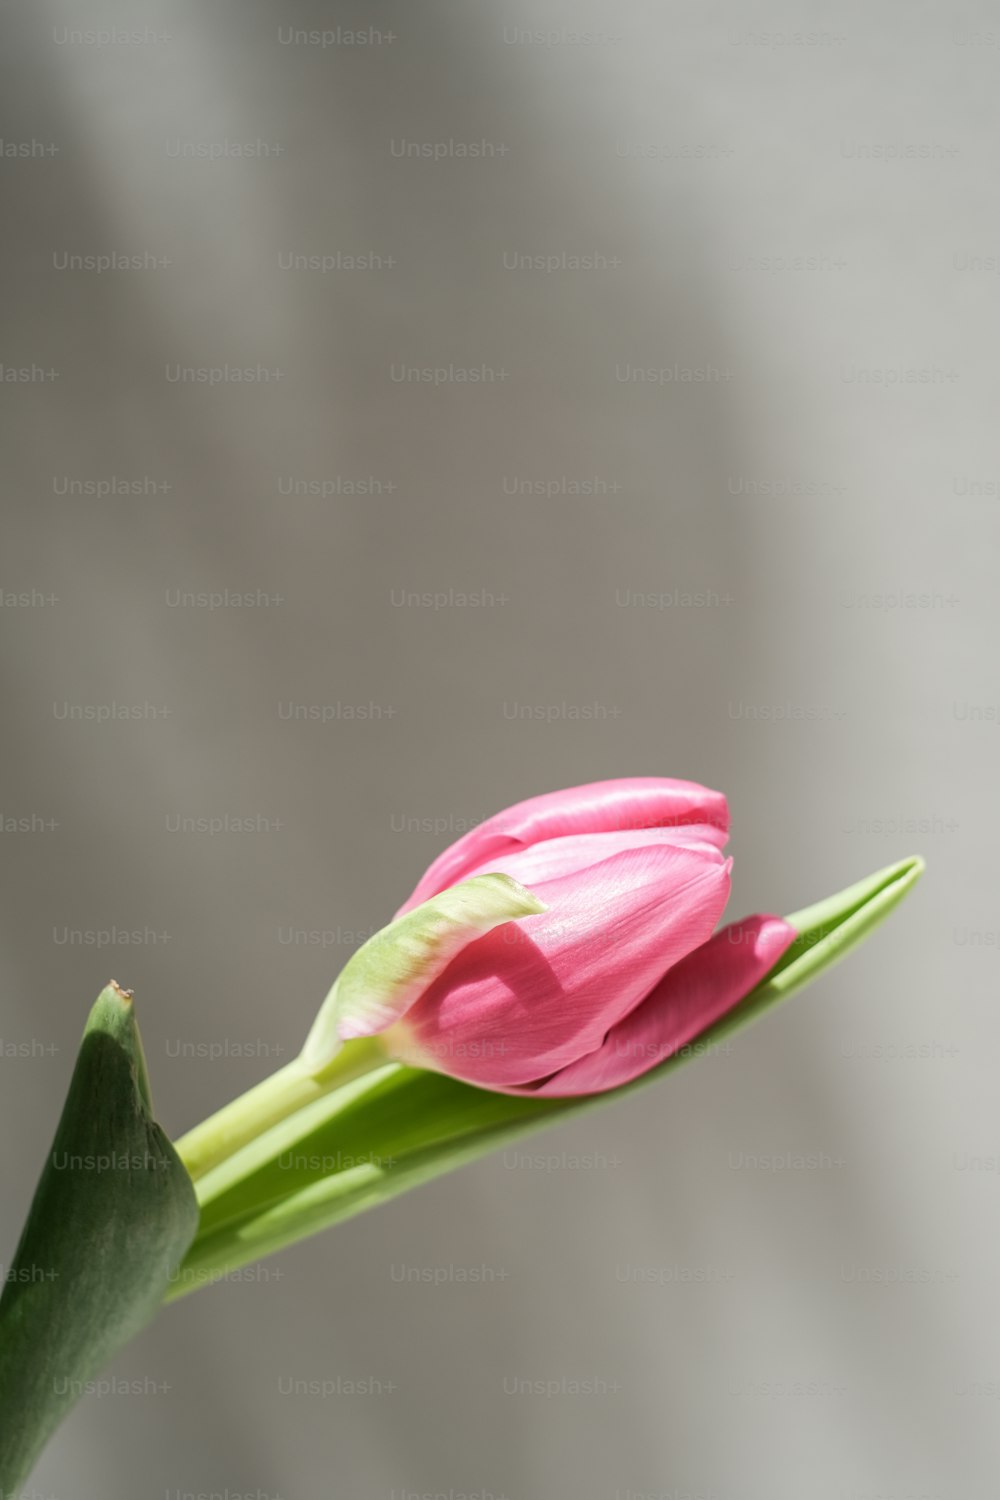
(829, 930)
(884, 888)
(910, 871)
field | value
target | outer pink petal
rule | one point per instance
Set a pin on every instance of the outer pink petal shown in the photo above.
(695, 993)
(575, 853)
(632, 803)
(535, 995)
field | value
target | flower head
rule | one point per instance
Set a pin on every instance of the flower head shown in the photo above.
(562, 947)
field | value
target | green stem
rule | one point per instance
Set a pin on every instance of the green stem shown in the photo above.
(294, 1086)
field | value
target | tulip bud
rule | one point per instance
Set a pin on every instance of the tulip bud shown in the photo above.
(614, 970)
(634, 881)
(615, 967)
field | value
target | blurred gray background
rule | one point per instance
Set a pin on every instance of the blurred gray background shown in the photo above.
(767, 564)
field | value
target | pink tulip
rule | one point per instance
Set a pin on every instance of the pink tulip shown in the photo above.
(618, 972)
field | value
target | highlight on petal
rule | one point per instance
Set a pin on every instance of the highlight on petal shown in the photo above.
(383, 979)
(630, 804)
(576, 853)
(690, 998)
(519, 1004)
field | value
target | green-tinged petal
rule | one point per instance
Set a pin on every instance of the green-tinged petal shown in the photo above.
(399, 1127)
(392, 969)
(112, 1216)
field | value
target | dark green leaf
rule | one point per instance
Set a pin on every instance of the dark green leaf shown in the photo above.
(112, 1216)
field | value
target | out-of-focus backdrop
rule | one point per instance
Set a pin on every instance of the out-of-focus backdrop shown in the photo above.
(483, 398)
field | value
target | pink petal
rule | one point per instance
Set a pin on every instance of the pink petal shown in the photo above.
(695, 993)
(629, 804)
(575, 853)
(533, 996)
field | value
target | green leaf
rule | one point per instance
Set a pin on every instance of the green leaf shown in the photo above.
(399, 1127)
(112, 1216)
